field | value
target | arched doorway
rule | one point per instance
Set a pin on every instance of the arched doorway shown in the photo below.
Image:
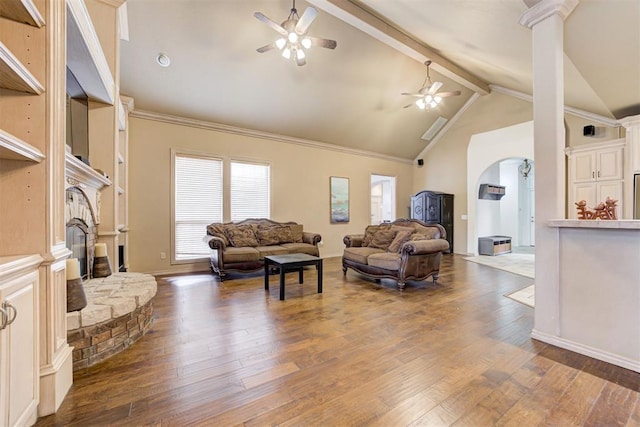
(486, 152)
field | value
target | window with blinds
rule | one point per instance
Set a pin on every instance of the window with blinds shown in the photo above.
(197, 203)
(249, 191)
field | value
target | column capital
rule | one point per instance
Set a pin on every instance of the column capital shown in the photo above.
(546, 8)
(630, 121)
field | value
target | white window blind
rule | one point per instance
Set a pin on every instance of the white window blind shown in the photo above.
(249, 191)
(198, 202)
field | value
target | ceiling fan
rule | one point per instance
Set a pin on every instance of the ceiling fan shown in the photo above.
(428, 96)
(294, 38)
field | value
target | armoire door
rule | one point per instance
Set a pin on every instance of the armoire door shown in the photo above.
(432, 208)
(417, 207)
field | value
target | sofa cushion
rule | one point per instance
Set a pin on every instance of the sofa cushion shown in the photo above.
(271, 250)
(360, 255)
(241, 235)
(422, 233)
(371, 230)
(386, 260)
(382, 238)
(296, 231)
(218, 230)
(232, 255)
(428, 234)
(401, 237)
(301, 248)
(274, 235)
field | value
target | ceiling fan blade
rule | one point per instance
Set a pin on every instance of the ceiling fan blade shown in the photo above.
(448, 94)
(270, 23)
(434, 88)
(408, 105)
(300, 61)
(266, 48)
(305, 20)
(415, 95)
(326, 43)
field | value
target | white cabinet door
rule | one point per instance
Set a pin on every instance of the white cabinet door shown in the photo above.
(612, 189)
(583, 167)
(609, 164)
(586, 191)
(19, 351)
(594, 193)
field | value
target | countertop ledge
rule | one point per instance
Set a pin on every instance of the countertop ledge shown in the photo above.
(628, 224)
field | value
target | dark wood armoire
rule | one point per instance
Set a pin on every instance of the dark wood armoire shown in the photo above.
(434, 207)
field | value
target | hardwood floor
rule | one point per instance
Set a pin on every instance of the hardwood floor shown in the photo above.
(456, 353)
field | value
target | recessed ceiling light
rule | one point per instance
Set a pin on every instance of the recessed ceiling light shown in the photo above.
(163, 60)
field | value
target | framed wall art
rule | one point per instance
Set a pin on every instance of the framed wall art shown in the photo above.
(339, 199)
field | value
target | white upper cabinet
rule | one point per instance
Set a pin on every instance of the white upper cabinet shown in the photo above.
(596, 162)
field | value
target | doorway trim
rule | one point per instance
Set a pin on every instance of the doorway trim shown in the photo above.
(484, 150)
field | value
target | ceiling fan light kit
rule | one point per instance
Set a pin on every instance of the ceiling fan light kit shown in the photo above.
(428, 95)
(293, 31)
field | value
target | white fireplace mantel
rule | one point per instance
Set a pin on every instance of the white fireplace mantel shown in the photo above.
(88, 180)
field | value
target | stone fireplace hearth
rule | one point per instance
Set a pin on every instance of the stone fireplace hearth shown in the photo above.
(119, 307)
(119, 312)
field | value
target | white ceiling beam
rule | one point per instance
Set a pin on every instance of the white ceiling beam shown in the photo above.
(357, 16)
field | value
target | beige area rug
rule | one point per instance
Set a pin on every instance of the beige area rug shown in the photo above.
(524, 296)
(517, 263)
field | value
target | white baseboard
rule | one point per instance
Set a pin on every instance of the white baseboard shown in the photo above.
(55, 381)
(614, 359)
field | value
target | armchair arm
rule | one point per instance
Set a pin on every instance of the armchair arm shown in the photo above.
(216, 243)
(353, 240)
(425, 247)
(311, 238)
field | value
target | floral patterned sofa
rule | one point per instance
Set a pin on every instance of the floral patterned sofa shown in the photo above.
(241, 246)
(405, 249)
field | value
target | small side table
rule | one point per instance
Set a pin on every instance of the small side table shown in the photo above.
(291, 262)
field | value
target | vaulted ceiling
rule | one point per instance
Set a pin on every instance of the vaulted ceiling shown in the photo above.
(351, 96)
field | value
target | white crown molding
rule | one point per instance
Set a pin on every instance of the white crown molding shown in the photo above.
(630, 121)
(449, 124)
(546, 8)
(569, 110)
(201, 124)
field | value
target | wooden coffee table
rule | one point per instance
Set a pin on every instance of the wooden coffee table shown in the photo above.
(291, 262)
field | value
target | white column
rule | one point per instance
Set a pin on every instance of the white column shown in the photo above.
(631, 163)
(546, 19)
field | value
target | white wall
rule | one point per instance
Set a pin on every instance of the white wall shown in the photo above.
(488, 213)
(299, 185)
(484, 150)
(509, 208)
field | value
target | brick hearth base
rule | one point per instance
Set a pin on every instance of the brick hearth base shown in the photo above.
(118, 313)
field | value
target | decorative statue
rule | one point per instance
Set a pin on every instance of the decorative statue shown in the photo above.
(606, 210)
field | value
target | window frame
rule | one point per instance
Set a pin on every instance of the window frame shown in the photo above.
(226, 193)
(195, 154)
(229, 178)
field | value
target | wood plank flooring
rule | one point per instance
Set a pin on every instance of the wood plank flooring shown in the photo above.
(456, 353)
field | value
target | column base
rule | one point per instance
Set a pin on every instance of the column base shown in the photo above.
(55, 382)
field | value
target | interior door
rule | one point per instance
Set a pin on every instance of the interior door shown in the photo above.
(383, 198)
(532, 214)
